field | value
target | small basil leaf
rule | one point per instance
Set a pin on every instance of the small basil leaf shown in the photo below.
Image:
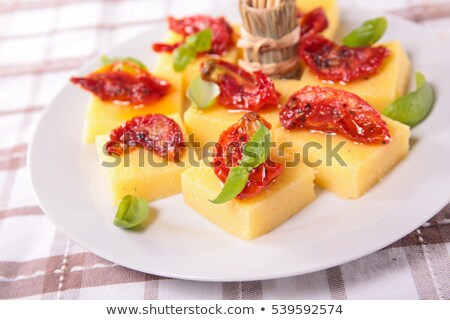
(257, 149)
(201, 41)
(105, 60)
(194, 44)
(203, 94)
(182, 56)
(367, 34)
(236, 182)
(131, 212)
(414, 107)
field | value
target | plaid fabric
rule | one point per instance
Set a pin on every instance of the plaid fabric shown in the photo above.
(41, 44)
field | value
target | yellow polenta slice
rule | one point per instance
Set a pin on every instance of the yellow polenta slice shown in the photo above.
(254, 217)
(102, 116)
(356, 167)
(143, 173)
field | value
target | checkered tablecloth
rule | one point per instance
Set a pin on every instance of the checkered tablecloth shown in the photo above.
(42, 42)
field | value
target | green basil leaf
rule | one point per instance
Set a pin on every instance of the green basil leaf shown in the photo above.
(414, 107)
(194, 44)
(236, 182)
(367, 34)
(105, 60)
(257, 149)
(203, 94)
(182, 56)
(132, 211)
(201, 41)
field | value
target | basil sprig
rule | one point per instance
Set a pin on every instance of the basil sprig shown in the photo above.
(236, 182)
(105, 60)
(203, 94)
(414, 107)
(257, 149)
(194, 44)
(255, 152)
(367, 34)
(132, 211)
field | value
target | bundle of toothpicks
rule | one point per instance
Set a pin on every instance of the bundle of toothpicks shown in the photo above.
(269, 37)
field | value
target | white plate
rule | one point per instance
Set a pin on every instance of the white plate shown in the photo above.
(72, 190)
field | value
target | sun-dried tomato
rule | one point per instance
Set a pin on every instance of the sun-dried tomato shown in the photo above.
(165, 47)
(333, 62)
(334, 110)
(228, 153)
(240, 89)
(154, 132)
(313, 22)
(125, 82)
(222, 32)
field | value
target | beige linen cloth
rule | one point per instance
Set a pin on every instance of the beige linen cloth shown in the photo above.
(42, 42)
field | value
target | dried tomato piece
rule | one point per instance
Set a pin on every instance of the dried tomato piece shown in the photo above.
(313, 22)
(228, 153)
(238, 88)
(125, 82)
(333, 62)
(222, 32)
(165, 47)
(154, 132)
(335, 110)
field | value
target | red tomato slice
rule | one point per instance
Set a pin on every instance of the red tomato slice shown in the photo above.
(228, 153)
(313, 22)
(238, 88)
(124, 82)
(335, 110)
(330, 61)
(154, 132)
(222, 32)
